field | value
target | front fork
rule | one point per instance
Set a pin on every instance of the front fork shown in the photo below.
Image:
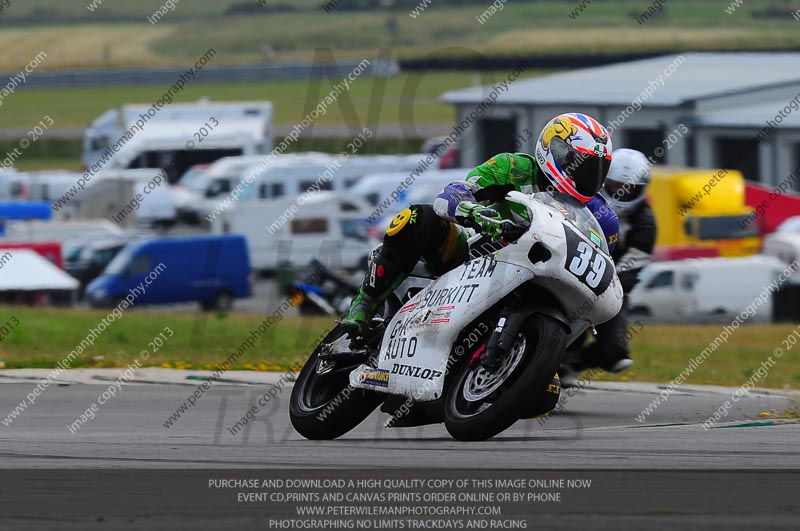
(504, 334)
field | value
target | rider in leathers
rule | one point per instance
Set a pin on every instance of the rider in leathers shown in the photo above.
(625, 188)
(573, 155)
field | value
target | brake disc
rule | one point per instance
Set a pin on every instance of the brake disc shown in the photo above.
(481, 383)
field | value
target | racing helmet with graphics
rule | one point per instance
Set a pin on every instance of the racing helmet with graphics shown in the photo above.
(628, 177)
(574, 153)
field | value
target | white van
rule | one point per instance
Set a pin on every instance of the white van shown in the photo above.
(222, 176)
(204, 181)
(277, 231)
(704, 289)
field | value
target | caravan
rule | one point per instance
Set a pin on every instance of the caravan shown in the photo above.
(290, 230)
(293, 175)
(51, 185)
(377, 189)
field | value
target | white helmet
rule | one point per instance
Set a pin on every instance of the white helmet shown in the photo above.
(627, 180)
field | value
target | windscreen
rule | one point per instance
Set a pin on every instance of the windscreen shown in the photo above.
(195, 179)
(721, 227)
(579, 215)
(119, 263)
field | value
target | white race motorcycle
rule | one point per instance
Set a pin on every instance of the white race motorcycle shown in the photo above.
(477, 348)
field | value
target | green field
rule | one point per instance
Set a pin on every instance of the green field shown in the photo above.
(71, 35)
(200, 341)
(405, 96)
(409, 98)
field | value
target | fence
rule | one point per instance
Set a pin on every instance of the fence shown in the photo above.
(210, 74)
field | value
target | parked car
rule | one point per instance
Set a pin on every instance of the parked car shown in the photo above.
(92, 257)
(705, 289)
(212, 270)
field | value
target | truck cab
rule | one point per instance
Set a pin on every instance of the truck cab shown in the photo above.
(693, 216)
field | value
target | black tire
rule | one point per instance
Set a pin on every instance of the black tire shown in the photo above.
(314, 394)
(222, 302)
(544, 350)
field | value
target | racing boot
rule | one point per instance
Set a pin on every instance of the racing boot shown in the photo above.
(381, 279)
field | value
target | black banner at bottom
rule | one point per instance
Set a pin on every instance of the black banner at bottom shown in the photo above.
(398, 499)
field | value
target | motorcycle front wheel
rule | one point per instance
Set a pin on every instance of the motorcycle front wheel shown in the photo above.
(479, 404)
(323, 406)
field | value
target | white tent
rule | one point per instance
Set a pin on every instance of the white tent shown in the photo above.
(25, 270)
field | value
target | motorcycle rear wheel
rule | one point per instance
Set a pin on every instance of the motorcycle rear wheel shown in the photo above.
(479, 405)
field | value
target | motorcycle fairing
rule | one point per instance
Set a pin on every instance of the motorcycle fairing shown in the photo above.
(419, 338)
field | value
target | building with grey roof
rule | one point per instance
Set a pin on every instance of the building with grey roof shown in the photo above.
(734, 110)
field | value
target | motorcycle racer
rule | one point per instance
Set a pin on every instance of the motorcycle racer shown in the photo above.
(625, 188)
(573, 156)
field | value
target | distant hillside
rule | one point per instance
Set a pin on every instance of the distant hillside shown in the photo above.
(117, 33)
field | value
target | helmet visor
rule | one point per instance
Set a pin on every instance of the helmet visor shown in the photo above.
(624, 192)
(587, 170)
(590, 173)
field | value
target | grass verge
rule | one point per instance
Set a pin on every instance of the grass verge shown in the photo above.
(200, 341)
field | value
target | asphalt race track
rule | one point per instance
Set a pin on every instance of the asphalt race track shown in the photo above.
(596, 431)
